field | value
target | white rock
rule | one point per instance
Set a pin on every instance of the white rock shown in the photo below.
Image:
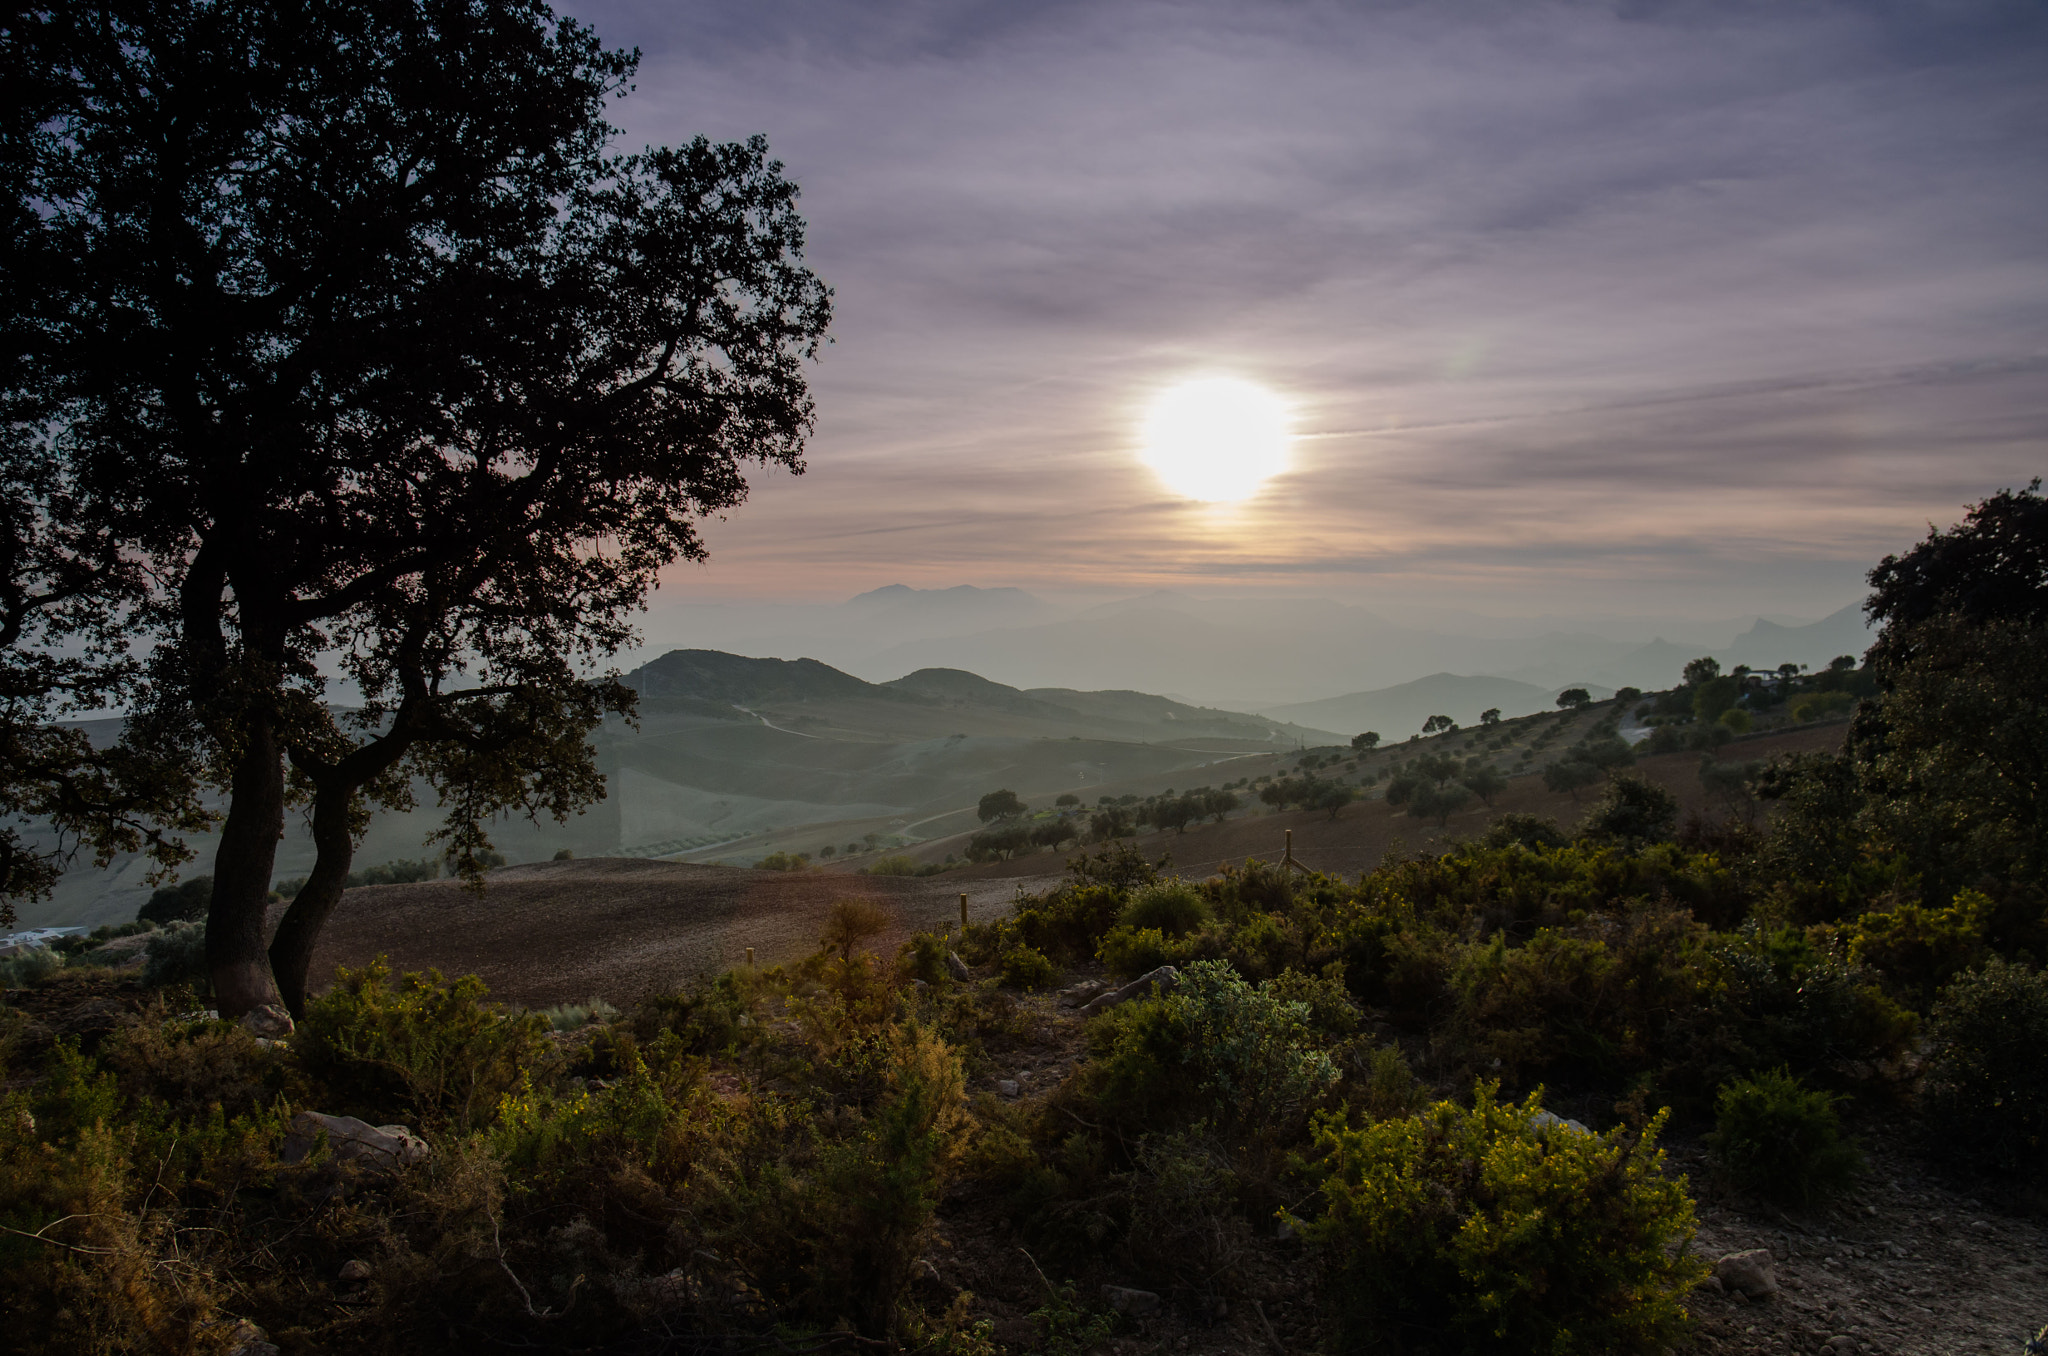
(957, 968)
(269, 1022)
(1165, 977)
(1080, 993)
(1751, 1273)
(377, 1146)
(355, 1270)
(1136, 1303)
(1009, 1087)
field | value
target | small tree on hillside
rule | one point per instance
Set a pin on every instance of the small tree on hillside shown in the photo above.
(1438, 801)
(1572, 698)
(1436, 724)
(1330, 796)
(1483, 781)
(999, 805)
(1366, 742)
(1066, 799)
(1490, 716)
(1570, 776)
(1704, 669)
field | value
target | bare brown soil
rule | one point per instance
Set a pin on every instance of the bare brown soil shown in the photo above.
(618, 928)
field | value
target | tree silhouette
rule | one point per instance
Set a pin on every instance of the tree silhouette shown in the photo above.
(999, 805)
(433, 386)
(1365, 742)
(1572, 698)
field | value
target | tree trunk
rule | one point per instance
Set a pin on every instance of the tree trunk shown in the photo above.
(235, 924)
(291, 951)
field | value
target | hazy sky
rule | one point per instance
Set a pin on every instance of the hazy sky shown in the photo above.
(1689, 309)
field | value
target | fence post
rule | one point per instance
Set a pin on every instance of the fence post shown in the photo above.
(750, 958)
(963, 910)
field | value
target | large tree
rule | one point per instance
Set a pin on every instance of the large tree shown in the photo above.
(410, 377)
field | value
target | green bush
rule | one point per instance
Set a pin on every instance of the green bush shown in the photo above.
(1783, 1140)
(795, 861)
(875, 1195)
(177, 955)
(1919, 950)
(1024, 967)
(1483, 1232)
(439, 1049)
(575, 1016)
(1131, 952)
(184, 902)
(1237, 1055)
(1984, 1099)
(1174, 907)
(29, 968)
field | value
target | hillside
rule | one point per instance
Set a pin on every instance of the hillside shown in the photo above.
(733, 757)
(1399, 711)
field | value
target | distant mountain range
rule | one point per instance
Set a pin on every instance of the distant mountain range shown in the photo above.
(1238, 653)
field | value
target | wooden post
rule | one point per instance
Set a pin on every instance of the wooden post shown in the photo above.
(750, 958)
(1289, 859)
(963, 910)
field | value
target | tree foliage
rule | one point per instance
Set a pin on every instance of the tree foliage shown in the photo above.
(392, 360)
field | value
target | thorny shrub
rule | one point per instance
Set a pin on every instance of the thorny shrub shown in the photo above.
(1781, 1139)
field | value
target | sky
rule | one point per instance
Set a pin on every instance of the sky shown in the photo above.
(1666, 309)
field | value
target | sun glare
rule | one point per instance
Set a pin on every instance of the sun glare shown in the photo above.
(1216, 439)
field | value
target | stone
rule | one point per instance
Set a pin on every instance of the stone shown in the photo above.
(384, 1147)
(246, 1339)
(957, 968)
(1841, 1343)
(1009, 1087)
(1166, 978)
(1750, 1273)
(1545, 1120)
(1133, 1303)
(355, 1271)
(1080, 993)
(269, 1022)
(1712, 1283)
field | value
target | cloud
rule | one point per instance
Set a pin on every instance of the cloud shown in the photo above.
(1672, 300)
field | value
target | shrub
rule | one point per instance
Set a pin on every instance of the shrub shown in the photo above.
(1736, 720)
(850, 922)
(876, 1195)
(1984, 1100)
(184, 902)
(1633, 812)
(785, 861)
(177, 955)
(1919, 950)
(1237, 1055)
(901, 864)
(1490, 1233)
(575, 1016)
(1025, 967)
(440, 1049)
(1131, 952)
(1529, 831)
(30, 968)
(1173, 907)
(1783, 1140)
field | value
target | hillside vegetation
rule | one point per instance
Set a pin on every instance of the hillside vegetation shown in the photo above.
(1422, 1108)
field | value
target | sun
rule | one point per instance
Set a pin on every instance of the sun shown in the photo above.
(1216, 439)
